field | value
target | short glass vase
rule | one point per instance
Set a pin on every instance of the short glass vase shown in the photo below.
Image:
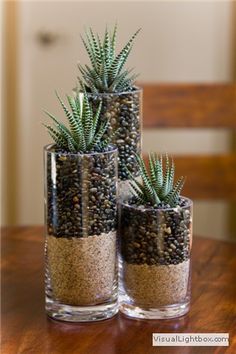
(81, 235)
(155, 260)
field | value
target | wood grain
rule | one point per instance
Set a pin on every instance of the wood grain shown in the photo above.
(196, 106)
(26, 329)
(189, 105)
(208, 177)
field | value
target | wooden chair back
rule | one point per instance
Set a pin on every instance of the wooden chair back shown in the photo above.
(196, 106)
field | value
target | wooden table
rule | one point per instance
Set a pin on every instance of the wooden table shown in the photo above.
(27, 330)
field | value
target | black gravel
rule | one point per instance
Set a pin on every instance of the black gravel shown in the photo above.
(124, 113)
(155, 236)
(81, 194)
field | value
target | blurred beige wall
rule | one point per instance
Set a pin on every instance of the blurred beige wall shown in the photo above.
(1, 110)
(180, 42)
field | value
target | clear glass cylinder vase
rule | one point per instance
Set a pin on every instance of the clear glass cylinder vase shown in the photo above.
(81, 234)
(124, 111)
(155, 260)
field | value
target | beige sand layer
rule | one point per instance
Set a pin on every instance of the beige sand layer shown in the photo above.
(156, 285)
(82, 270)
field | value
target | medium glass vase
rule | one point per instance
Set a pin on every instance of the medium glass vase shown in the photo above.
(81, 234)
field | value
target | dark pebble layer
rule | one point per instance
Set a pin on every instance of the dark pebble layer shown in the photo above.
(81, 194)
(155, 236)
(124, 113)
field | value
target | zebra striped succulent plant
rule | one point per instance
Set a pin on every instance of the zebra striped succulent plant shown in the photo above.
(85, 132)
(157, 187)
(106, 73)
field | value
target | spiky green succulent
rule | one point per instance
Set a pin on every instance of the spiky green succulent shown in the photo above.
(157, 185)
(106, 73)
(85, 132)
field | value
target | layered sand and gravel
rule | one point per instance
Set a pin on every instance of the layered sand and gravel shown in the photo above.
(82, 270)
(156, 285)
(124, 112)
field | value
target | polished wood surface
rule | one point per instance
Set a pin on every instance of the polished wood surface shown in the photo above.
(27, 330)
(207, 177)
(189, 105)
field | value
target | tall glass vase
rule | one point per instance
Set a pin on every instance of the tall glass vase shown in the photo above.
(81, 234)
(124, 111)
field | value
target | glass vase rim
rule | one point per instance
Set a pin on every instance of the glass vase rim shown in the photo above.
(137, 89)
(151, 208)
(49, 149)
